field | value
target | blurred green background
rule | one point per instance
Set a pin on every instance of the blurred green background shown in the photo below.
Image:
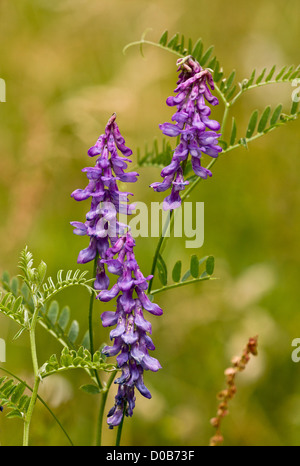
(65, 74)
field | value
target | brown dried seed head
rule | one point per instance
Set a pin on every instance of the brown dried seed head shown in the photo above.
(215, 421)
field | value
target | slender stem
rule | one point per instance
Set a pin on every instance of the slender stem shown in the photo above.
(102, 407)
(29, 413)
(158, 248)
(37, 379)
(120, 428)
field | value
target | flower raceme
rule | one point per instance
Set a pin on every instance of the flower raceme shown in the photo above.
(131, 339)
(196, 131)
(114, 250)
(101, 223)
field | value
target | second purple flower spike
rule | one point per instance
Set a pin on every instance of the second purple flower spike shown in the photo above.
(197, 132)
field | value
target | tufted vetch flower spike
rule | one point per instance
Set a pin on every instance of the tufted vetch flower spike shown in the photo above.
(102, 225)
(131, 342)
(197, 133)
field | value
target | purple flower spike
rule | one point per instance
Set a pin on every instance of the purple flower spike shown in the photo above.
(196, 130)
(101, 223)
(131, 342)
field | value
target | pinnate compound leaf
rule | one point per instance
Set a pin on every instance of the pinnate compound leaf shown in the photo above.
(90, 389)
(71, 359)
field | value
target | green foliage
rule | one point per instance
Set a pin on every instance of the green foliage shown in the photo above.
(72, 278)
(192, 275)
(71, 359)
(17, 300)
(58, 322)
(155, 157)
(259, 125)
(176, 272)
(12, 398)
(14, 308)
(194, 270)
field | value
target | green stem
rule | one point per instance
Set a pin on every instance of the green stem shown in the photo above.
(102, 407)
(29, 413)
(37, 379)
(176, 285)
(158, 248)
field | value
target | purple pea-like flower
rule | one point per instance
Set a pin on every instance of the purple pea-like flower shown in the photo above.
(131, 342)
(196, 131)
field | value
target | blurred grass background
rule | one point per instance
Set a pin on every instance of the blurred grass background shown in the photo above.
(66, 74)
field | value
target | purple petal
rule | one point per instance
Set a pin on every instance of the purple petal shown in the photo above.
(88, 254)
(146, 303)
(109, 318)
(107, 295)
(170, 130)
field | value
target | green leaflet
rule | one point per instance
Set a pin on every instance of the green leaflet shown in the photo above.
(276, 114)
(194, 266)
(176, 272)
(162, 270)
(252, 124)
(90, 389)
(264, 119)
(233, 133)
